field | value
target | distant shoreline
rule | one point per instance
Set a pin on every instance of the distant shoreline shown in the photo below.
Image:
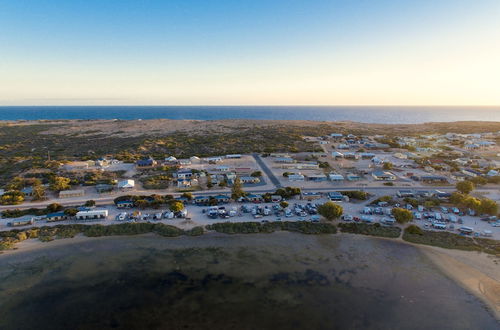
(367, 114)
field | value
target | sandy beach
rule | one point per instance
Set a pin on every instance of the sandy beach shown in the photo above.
(479, 273)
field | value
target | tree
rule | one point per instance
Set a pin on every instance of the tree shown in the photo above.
(387, 166)
(17, 183)
(284, 204)
(209, 181)
(176, 206)
(187, 195)
(141, 203)
(237, 190)
(472, 203)
(488, 206)
(402, 215)
(54, 207)
(89, 203)
(457, 198)
(465, 187)
(71, 212)
(60, 183)
(256, 174)
(12, 198)
(38, 193)
(330, 210)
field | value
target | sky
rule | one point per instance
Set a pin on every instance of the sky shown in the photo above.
(249, 52)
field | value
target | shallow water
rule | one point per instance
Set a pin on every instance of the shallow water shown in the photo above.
(277, 281)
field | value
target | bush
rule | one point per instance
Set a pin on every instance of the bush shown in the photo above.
(414, 230)
(356, 194)
(371, 230)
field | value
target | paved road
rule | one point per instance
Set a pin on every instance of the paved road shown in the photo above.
(106, 200)
(267, 170)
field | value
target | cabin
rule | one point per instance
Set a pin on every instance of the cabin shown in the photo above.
(254, 198)
(383, 176)
(335, 196)
(145, 163)
(201, 200)
(124, 204)
(71, 193)
(91, 215)
(126, 184)
(57, 216)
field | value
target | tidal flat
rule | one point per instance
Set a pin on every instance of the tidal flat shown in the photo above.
(263, 281)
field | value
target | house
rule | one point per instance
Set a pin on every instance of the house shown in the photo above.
(56, 216)
(383, 176)
(458, 176)
(287, 160)
(310, 195)
(126, 184)
(213, 160)
(195, 160)
(201, 200)
(124, 204)
(352, 177)
(145, 163)
(335, 177)
(222, 168)
(492, 173)
(71, 193)
(471, 146)
(184, 162)
(254, 198)
(335, 196)
(184, 183)
(296, 177)
(405, 193)
(104, 188)
(171, 160)
(399, 155)
(92, 215)
(351, 155)
(343, 146)
(317, 177)
(434, 179)
(27, 191)
(471, 173)
(367, 155)
(222, 198)
(336, 135)
(336, 154)
(249, 179)
(301, 166)
(243, 171)
(184, 174)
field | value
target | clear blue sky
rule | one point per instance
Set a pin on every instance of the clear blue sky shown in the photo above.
(249, 52)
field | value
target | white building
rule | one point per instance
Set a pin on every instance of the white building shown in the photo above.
(126, 184)
(92, 215)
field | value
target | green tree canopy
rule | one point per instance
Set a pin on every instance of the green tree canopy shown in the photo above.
(176, 206)
(60, 183)
(465, 187)
(330, 210)
(237, 190)
(402, 215)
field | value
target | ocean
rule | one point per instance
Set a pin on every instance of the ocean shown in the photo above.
(365, 114)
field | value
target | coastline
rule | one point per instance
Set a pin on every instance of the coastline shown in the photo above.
(477, 273)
